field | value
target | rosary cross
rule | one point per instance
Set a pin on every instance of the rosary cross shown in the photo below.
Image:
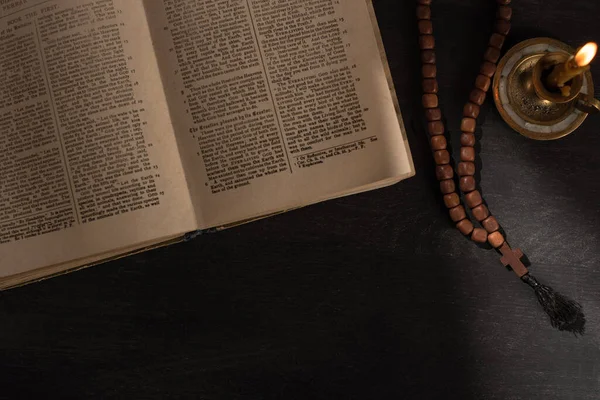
(512, 258)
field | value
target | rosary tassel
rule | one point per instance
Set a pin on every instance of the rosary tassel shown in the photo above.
(565, 314)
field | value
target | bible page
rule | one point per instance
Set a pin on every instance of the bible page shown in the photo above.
(88, 159)
(277, 104)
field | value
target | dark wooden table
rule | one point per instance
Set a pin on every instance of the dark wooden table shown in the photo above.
(373, 296)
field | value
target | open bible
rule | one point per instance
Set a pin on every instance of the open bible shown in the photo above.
(127, 124)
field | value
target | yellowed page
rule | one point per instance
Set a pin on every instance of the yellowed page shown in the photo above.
(277, 104)
(88, 157)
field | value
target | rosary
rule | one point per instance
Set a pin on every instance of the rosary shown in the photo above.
(565, 314)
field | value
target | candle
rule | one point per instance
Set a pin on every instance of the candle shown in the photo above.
(575, 65)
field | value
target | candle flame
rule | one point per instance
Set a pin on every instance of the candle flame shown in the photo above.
(586, 54)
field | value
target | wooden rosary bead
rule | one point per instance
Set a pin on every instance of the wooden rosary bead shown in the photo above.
(471, 110)
(425, 27)
(488, 69)
(502, 27)
(451, 200)
(473, 199)
(438, 142)
(435, 128)
(467, 184)
(497, 40)
(477, 96)
(429, 71)
(443, 172)
(495, 239)
(491, 54)
(490, 224)
(430, 101)
(441, 157)
(457, 213)
(428, 57)
(430, 86)
(425, 2)
(426, 42)
(480, 212)
(447, 186)
(433, 114)
(482, 82)
(465, 227)
(479, 235)
(423, 12)
(468, 125)
(466, 168)
(467, 139)
(504, 12)
(467, 153)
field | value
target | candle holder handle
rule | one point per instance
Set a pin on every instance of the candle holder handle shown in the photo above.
(587, 104)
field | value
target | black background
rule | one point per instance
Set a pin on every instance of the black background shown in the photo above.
(373, 296)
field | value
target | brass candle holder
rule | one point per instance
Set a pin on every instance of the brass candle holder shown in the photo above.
(525, 101)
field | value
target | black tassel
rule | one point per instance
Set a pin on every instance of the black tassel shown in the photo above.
(565, 314)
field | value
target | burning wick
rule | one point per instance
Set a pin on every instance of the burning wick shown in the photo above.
(575, 65)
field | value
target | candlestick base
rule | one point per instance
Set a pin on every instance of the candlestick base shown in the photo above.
(527, 105)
